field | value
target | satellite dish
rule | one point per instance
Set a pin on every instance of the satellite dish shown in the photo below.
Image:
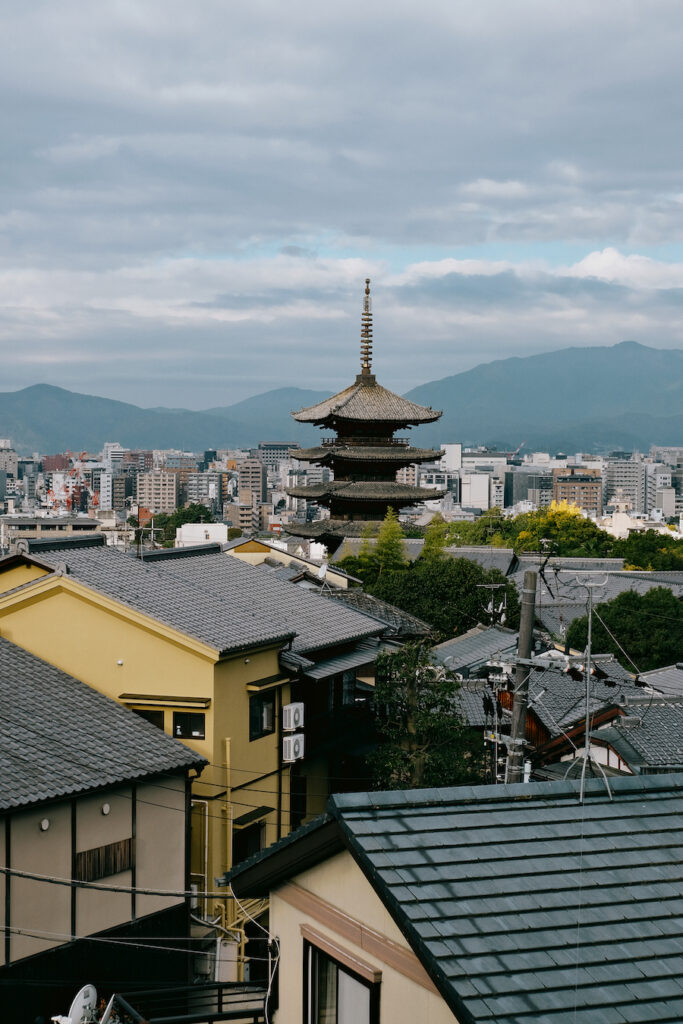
(322, 571)
(82, 1008)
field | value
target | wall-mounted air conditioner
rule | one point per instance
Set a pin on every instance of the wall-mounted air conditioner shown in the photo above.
(293, 747)
(293, 717)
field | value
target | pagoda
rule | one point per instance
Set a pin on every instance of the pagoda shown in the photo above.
(365, 456)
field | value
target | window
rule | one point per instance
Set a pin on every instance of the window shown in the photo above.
(155, 717)
(335, 994)
(188, 725)
(247, 841)
(261, 715)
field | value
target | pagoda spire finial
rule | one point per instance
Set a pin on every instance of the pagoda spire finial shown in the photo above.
(366, 332)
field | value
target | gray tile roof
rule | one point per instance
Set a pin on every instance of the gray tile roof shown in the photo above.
(475, 647)
(215, 598)
(171, 597)
(485, 556)
(560, 701)
(559, 600)
(59, 737)
(650, 737)
(668, 681)
(233, 585)
(525, 906)
(398, 622)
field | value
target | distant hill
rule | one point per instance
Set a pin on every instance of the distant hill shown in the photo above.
(49, 419)
(268, 417)
(625, 395)
(577, 399)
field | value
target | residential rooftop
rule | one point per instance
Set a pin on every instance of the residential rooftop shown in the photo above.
(60, 738)
(219, 600)
(523, 904)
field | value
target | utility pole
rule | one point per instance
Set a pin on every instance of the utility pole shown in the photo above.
(515, 772)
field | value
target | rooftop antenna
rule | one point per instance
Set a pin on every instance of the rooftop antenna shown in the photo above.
(590, 587)
(366, 332)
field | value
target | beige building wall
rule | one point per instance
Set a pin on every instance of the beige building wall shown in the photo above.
(42, 911)
(148, 666)
(338, 882)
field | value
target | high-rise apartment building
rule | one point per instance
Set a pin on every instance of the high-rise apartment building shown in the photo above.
(252, 477)
(625, 479)
(272, 453)
(157, 490)
(580, 486)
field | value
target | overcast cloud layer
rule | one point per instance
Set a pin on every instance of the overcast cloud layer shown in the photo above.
(192, 194)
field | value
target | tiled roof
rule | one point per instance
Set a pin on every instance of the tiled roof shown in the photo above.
(367, 401)
(171, 596)
(232, 585)
(60, 737)
(524, 905)
(470, 702)
(475, 647)
(559, 600)
(486, 556)
(401, 454)
(651, 735)
(559, 701)
(668, 681)
(399, 623)
(215, 598)
(366, 490)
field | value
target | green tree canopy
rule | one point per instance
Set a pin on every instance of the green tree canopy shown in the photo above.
(648, 627)
(424, 741)
(435, 538)
(444, 592)
(388, 550)
(165, 524)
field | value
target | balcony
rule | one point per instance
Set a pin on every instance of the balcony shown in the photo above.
(196, 1004)
(365, 442)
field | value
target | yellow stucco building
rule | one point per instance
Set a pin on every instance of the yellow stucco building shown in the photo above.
(195, 643)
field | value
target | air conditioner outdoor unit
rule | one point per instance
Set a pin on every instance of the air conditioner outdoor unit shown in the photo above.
(293, 747)
(293, 717)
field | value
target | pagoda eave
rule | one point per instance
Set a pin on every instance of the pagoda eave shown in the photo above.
(400, 455)
(363, 491)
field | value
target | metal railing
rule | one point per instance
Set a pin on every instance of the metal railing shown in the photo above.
(197, 1004)
(376, 442)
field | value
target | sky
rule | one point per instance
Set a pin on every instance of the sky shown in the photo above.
(192, 194)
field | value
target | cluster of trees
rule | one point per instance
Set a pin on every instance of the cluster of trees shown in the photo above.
(424, 741)
(561, 530)
(451, 594)
(643, 631)
(166, 524)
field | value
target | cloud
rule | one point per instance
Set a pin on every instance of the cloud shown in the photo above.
(193, 194)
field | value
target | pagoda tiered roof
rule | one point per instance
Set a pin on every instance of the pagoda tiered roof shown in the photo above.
(367, 401)
(401, 454)
(366, 490)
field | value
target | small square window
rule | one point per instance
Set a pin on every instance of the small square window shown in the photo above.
(188, 725)
(261, 715)
(155, 717)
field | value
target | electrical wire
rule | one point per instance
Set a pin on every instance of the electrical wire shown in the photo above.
(131, 943)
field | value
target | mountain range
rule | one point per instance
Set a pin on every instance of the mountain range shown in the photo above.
(576, 399)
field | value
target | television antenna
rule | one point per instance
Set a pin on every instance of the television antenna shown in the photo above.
(82, 1009)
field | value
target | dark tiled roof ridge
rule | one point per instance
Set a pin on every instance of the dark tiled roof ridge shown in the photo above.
(340, 803)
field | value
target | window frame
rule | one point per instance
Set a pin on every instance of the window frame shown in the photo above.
(186, 714)
(310, 948)
(262, 700)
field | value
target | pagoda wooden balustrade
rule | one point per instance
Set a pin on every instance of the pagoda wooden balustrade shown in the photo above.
(376, 442)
